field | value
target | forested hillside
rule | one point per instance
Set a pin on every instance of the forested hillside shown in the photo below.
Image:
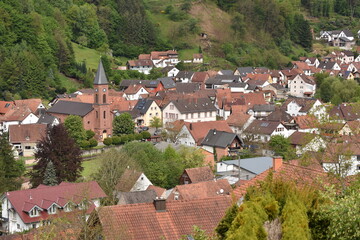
(37, 36)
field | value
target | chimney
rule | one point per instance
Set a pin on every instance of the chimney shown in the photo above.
(160, 204)
(277, 162)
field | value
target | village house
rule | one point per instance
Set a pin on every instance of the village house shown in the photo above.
(23, 210)
(21, 114)
(222, 143)
(306, 124)
(135, 92)
(249, 168)
(343, 39)
(150, 85)
(200, 77)
(296, 106)
(25, 137)
(328, 65)
(279, 90)
(191, 110)
(192, 133)
(238, 119)
(218, 81)
(145, 220)
(170, 71)
(260, 111)
(198, 58)
(312, 61)
(195, 175)
(146, 196)
(243, 71)
(306, 142)
(144, 111)
(48, 119)
(184, 76)
(301, 86)
(142, 66)
(161, 59)
(261, 131)
(132, 181)
(345, 112)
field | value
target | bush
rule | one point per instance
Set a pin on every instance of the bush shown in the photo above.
(124, 139)
(89, 134)
(145, 135)
(93, 142)
(108, 141)
(85, 144)
(116, 140)
(138, 136)
(131, 137)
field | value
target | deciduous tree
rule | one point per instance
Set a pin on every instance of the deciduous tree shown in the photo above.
(74, 126)
(123, 124)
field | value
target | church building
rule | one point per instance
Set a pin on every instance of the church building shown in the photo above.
(96, 116)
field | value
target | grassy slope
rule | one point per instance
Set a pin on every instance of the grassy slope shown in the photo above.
(91, 56)
(68, 83)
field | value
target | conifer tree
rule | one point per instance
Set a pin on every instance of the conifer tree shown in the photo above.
(50, 175)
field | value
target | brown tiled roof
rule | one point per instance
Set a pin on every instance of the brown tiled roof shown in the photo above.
(127, 180)
(32, 104)
(301, 65)
(200, 77)
(346, 111)
(197, 55)
(279, 115)
(200, 190)
(306, 121)
(305, 103)
(354, 126)
(199, 174)
(144, 57)
(142, 221)
(123, 105)
(238, 119)
(132, 89)
(159, 191)
(137, 63)
(262, 127)
(27, 133)
(258, 77)
(302, 176)
(301, 138)
(5, 106)
(16, 113)
(198, 130)
(162, 54)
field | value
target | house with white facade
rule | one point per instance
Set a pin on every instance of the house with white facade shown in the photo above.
(134, 92)
(170, 71)
(143, 66)
(192, 133)
(305, 142)
(261, 131)
(184, 76)
(296, 106)
(198, 58)
(301, 86)
(162, 59)
(132, 181)
(23, 210)
(17, 115)
(144, 111)
(190, 110)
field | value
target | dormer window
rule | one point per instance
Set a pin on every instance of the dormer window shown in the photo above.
(68, 207)
(34, 212)
(52, 209)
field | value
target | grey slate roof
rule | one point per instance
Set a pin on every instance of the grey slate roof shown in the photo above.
(256, 165)
(227, 72)
(46, 119)
(194, 105)
(136, 197)
(147, 83)
(261, 127)
(223, 79)
(142, 106)
(71, 108)
(264, 108)
(326, 65)
(100, 78)
(187, 87)
(245, 70)
(185, 74)
(167, 82)
(216, 138)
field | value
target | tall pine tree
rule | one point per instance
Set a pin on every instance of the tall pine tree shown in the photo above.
(59, 148)
(50, 178)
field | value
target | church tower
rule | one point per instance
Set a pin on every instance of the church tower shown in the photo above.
(103, 116)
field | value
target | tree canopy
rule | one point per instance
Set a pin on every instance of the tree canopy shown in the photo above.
(123, 124)
(74, 126)
(60, 149)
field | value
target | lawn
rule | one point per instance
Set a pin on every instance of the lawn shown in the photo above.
(90, 56)
(90, 167)
(69, 84)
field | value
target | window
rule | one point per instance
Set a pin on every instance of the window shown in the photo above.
(167, 115)
(104, 114)
(205, 114)
(27, 147)
(279, 129)
(104, 98)
(171, 107)
(34, 212)
(97, 114)
(52, 209)
(34, 225)
(18, 226)
(96, 98)
(151, 108)
(150, 114)
(156, 114)
(198, 115)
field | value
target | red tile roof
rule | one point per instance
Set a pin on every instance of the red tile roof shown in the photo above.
(142, 221)
(199, 130)
(200, 77)
(32, 104)
(16, 113)
(159, 191)
(238, 119)
(44, 196)
(302, 176)
(5, 106)
(199, 174)
(200, 190)
(30, 133)
(306, 121)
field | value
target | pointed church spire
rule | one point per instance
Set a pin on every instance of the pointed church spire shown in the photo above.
(100, 78)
